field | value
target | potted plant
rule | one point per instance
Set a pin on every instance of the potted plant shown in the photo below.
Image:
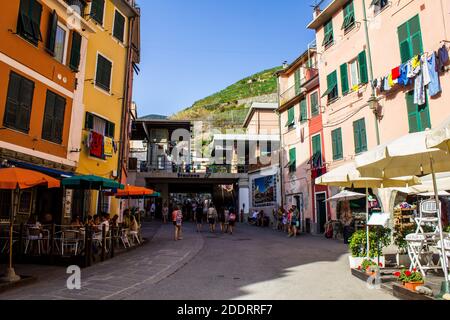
(370, 267)
(358, 246)
(399, 240)
(410, 279)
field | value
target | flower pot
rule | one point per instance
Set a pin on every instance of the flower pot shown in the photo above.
(355, 262)
(413, 285)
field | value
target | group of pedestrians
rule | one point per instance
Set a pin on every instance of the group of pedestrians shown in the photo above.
(288, 220)
(225, 218)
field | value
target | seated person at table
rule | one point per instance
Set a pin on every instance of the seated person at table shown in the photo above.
(33, 223)
(104, 221)
(134, 226)
(114, 223)
(126, 218)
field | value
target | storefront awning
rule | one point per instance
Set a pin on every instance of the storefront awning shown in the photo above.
(53, 172)
(91, 182)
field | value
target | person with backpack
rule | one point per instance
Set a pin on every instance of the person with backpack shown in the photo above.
(212, 217)
(177, 218)
(232, 220)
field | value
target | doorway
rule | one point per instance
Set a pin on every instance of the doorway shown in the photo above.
(321, 211)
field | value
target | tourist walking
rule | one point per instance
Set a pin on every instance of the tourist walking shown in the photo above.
(295, 223)
(212, 217)
(165, 213)
(221, 216)
(199, 218)
(232, 220)
(226, 224)
(177, 219)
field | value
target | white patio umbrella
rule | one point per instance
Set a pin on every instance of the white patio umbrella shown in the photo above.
(432, 194)
(408, 155)
(346, 196)
(348, 176)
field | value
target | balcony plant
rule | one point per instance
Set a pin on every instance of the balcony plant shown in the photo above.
(378, 240)
(410, 279)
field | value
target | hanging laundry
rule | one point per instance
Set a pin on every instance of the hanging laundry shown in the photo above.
(410, 74)
(425, 71)
(96, 148)
(391, 81)
(443, 55)
(374, 84)
(395, 73)
(108, 147)
(419, 90)
(403, 77)
(387, 87)
(89, 140)
(434, 86)
(415, 62)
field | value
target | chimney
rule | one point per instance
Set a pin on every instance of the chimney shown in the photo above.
(285, 65)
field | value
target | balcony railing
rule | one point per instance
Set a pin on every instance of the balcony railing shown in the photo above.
(292, 92)
(171, 167)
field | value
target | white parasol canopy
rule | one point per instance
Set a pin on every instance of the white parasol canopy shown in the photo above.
(346, 196)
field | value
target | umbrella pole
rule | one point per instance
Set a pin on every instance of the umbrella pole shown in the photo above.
(10, 274)
(367, 221)
(445, 285)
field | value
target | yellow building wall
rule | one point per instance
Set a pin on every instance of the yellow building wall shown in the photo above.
(105, 105)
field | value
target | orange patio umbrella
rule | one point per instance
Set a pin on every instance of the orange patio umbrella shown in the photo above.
(133, 191)
(17, 179)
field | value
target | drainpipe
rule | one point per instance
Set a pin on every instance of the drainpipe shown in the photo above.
(373, 101)
(280, 155)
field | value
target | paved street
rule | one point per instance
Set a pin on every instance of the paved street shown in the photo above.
(253, 263)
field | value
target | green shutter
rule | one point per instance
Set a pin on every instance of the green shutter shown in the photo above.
(410, 39)
(336, 136)
(332, 91)
(344, 79)
(303, 111)
(349, 16)
(292, 160)
(362, 60)
(360, 135)
(328, 37)
(418, 116)
(314, 100)
(97, 10)
(119, 26)
(53, 25)
(297, 77)
(75, 52)
(316, 144)
(291, 117)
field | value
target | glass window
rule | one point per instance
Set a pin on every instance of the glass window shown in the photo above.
(354, 75)
(60, 44)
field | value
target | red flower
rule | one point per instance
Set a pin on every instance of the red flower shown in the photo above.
(359, 268)
(415, 270)
(408, 273)
(380, 265)
(397, 274)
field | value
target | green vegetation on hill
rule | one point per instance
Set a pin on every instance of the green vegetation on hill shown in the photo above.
(223, 107)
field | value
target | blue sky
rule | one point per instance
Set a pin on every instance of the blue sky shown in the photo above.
(193, 48)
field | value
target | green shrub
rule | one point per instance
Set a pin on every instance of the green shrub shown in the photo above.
(358, 242)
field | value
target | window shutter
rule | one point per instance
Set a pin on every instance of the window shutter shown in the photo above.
(344, 79)
(363, 76)
(297, 81)
(424, 113)
(339, 143)
(303, 111)
(48, 123)
(60, 108)
(416, 35)
(291, 117)
(75, 53)
(89, 121)
(36, 20)
(103, 77)
(334, 144)
(97, 8)
(314, 104)
(119, 26)
(292, 160)
(403, 40)
(26, 100)
(357, 137)
(363, 134)
(51, 41)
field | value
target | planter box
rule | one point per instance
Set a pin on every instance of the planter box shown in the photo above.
(355, 262)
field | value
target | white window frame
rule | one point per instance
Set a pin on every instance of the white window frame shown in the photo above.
(125, 28)
(66, 43)
(352, 84)
(95, 75)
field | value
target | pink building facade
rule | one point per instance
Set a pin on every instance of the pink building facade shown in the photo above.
(359, 113)
(302, 141)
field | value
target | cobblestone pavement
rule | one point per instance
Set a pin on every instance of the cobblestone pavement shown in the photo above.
(253, 263)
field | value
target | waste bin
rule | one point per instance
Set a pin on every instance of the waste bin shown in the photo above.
(308, 225)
